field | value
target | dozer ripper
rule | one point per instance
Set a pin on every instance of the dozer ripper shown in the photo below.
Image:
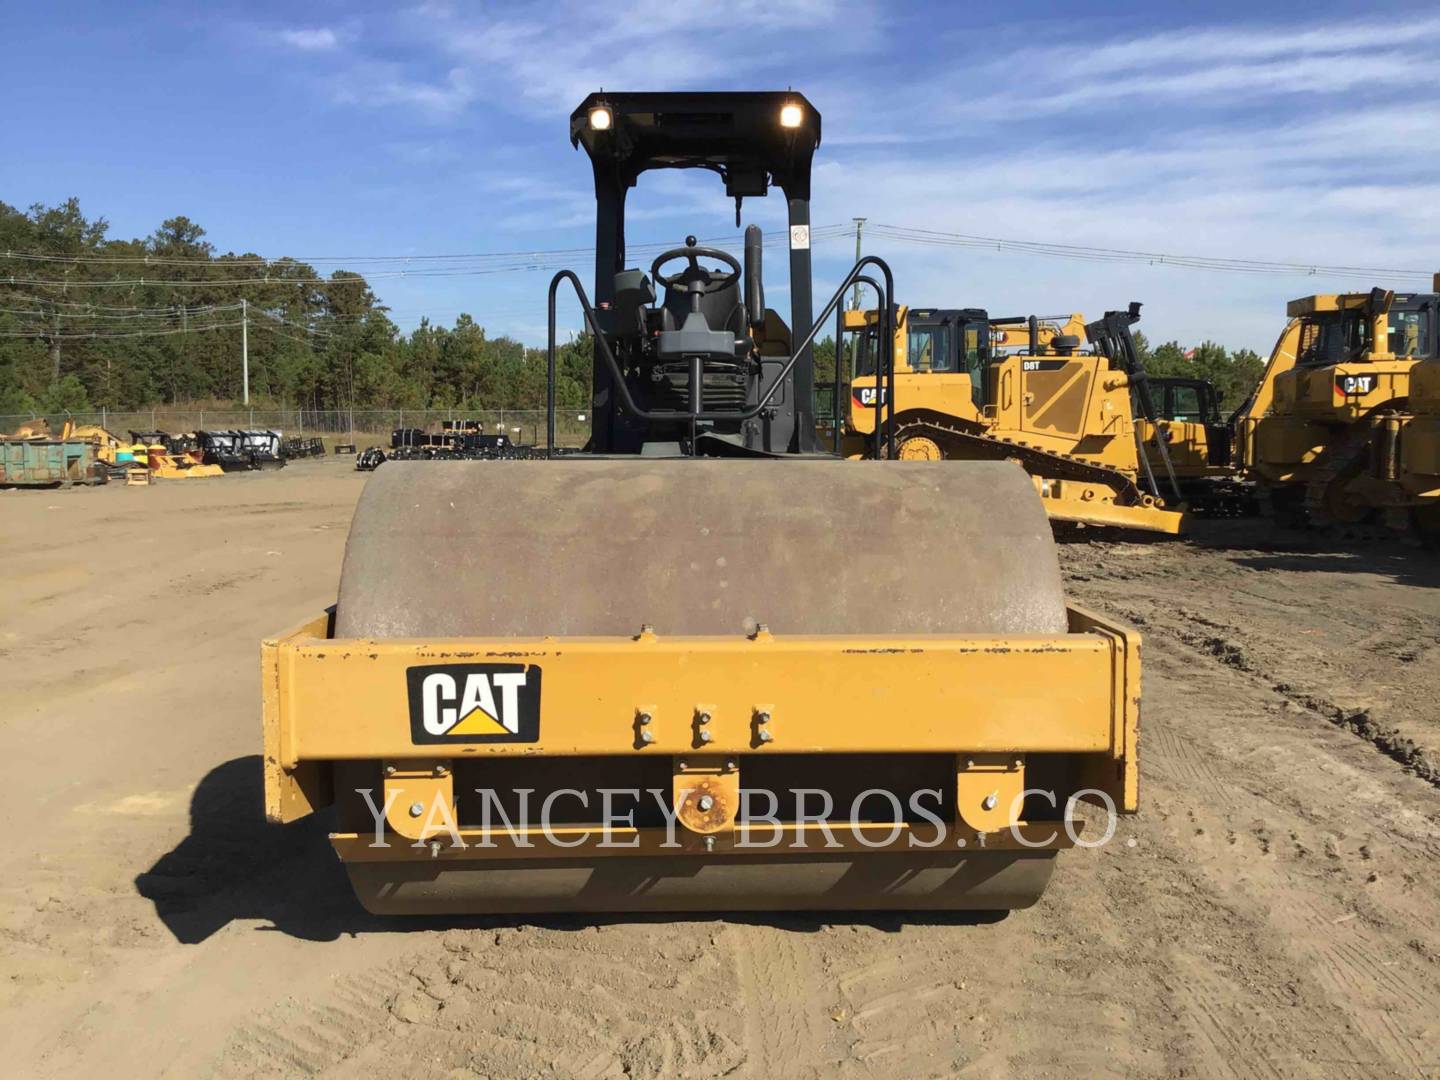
(971, 387)
(652, 675)
(1336, 432)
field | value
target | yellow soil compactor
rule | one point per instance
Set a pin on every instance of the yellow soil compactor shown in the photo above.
(1055, 394)
(703, 664)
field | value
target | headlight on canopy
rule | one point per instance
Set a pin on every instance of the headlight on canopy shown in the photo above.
(791, 115)
(600, 118)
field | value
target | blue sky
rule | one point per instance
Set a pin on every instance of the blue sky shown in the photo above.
(1286, 132)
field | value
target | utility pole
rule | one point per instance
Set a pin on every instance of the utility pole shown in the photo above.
(245, 346)
(859, 227)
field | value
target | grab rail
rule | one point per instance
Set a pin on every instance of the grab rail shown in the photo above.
(696, 412)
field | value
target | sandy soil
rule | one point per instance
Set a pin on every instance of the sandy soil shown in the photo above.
(1277, 915)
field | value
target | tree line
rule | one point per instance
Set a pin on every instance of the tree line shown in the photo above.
(169, 333)
(1234, 374)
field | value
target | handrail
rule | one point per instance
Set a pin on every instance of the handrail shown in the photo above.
(863, 279)
(887, 346)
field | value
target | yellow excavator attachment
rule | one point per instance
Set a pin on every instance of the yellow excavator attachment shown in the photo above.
(622, 685)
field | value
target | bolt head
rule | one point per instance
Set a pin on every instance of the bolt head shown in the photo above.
(765, 736)
(706, 737)
(709, 843)
(762, 717)
(644, 718)
(389, 770)
(647, 736)
(416, 809)
(990, 802)
(705, 802)
(440, 770)
(730, 765)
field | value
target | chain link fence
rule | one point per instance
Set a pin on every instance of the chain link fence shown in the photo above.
(365, 427)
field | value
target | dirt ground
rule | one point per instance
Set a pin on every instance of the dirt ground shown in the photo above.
(1277, 914)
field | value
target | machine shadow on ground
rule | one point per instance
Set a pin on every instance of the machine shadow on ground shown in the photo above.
(1403, 566)
(234, 865)
(1259, 545)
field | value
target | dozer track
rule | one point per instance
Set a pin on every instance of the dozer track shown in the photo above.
(1035, 461)
(1132, 508)
(1340, 464)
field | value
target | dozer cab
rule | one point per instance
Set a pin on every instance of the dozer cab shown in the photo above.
(1199, 446)
(1053, 393)
(1325, 433)
(652, 675)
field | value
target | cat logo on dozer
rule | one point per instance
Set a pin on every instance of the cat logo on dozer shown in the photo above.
(474, 703)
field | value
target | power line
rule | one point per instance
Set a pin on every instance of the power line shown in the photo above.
(96, 336)
(931, 237)
(522, 257)
(173, 313)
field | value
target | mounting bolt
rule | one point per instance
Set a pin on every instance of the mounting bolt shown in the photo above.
(706, 737)
(989, 802)
(705, 802)
(647, 628)
(389, 770)
(765, 736)
(440, 770)
(683, 765)
(762, 628)
(969, 763)
(647, 736)
(709, 843)
(1019, 763)
(434, 849)
(729, 764)
(762, 717)
(416, 809)
(644, 718)
(702, 717)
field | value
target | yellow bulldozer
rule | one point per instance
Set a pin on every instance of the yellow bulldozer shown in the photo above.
(1197, 441)
(1055, 394)
(1341, 429)
(652, 675)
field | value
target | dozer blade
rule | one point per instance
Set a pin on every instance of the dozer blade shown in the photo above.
(703, 628)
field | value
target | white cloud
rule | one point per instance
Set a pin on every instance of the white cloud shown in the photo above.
(378, 84)
(1232, 139)
(319, 39)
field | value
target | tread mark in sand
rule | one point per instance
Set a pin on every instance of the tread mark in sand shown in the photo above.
(783, 1034)
(891, 1003)
(1186, 761)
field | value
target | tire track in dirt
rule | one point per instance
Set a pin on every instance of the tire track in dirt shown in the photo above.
(518, 1001)
(779, 994)
(1217, 641)
(1272, 848)
(907, 1005)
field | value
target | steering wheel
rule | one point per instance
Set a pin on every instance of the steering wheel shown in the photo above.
(693, 254)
